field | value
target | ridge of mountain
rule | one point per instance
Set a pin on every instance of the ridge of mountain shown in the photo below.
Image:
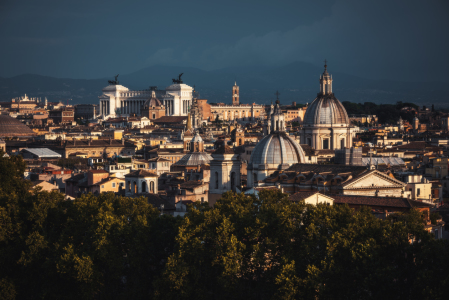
(297, 81)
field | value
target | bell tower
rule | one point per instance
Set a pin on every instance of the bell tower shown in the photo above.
(277, 118)
(235, 94)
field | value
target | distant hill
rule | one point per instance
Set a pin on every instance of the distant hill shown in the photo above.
(296, 82)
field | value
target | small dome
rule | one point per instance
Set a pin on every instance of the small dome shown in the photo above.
(10, 127)
(152, 102)
(326, 109)
(194, 159)
(277, 148)
(197, 138)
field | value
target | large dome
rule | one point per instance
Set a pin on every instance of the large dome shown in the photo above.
(10, 127)
(277, 149)
(326, 109)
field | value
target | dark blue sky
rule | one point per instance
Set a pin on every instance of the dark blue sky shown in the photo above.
(383, 39)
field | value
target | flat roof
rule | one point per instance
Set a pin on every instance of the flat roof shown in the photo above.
(43, 152)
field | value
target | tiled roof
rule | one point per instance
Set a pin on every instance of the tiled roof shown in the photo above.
(191, 184)
(301, 195)
(224, 150)
(141, 173)
(393, 202)
(371, 201)
(170, 119)
(333, 169)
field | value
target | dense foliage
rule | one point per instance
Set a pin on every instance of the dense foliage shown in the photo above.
(109, 247)
(386, 113)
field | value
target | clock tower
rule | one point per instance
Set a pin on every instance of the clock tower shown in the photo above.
(235, 94)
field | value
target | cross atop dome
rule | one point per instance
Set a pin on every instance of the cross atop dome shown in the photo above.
(277, 97)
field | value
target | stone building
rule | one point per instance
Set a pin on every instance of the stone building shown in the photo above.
(337, 179)
(118, 99)
(225, 173)
(140, 181)
(241, 112)
(326, 124)
(276, 151)
(104, 148)
(62, 116)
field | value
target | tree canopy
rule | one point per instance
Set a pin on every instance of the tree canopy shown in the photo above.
(109, 247)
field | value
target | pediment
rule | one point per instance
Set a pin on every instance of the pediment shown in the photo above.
(373, 180)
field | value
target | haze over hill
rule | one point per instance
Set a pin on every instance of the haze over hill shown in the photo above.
(297, 81)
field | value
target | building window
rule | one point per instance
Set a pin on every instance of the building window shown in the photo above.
(325, 143)
(102, 186)
(113, 184)
(418, 192)
(216, 180)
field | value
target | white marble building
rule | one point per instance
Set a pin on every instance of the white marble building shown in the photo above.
(117, 99)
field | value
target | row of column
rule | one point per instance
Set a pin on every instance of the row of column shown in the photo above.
(132, 106)
(185, 106)
(105, 108)
(169, 107)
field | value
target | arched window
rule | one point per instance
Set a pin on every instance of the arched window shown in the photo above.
(216, 180)
(277, 125)
(144, 186)
(129, 185)
(255, 177)
(233, 181)
(135, 187)
(154, 116)
(240, 142)
(152, 186)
